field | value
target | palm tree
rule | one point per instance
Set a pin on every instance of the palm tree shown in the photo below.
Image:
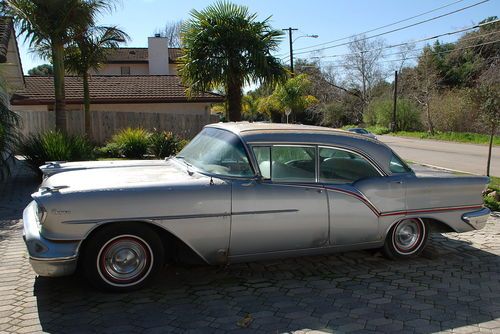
(226, 47)
(293, 95)
(89, 50)
(52, 22)
(9, 134)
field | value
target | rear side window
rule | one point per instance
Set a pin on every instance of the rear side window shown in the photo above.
(287, 163)
(339, 166)
(397, 166)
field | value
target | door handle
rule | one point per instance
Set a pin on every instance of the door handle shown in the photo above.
(249, 184)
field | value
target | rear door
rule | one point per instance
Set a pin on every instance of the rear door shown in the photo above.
(356, 190)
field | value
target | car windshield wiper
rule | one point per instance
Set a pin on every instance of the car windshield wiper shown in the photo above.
(190, 166)
(180, 157)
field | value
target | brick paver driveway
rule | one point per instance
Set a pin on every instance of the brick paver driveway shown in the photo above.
(455, 288)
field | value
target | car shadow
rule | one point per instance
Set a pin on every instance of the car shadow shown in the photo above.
(457, 286)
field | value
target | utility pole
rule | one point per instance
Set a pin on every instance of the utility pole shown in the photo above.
(394, 108)
(291, 46)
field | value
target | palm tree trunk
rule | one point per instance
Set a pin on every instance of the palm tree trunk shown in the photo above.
(60, 107)
(86, 106)
(234, 98)
(492, 134)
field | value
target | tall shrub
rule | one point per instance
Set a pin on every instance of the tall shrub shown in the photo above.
(380, 113)
(54, 146)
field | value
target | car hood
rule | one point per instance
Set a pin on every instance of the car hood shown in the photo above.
(56, 167)
(125, 177)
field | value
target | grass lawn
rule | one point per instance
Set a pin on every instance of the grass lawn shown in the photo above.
(461, 137)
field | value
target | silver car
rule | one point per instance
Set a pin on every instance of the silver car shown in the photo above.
(240, 192)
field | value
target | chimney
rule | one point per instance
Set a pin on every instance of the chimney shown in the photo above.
(158, 55)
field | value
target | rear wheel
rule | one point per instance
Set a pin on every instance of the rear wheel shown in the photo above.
(122, 257)
(407, 238)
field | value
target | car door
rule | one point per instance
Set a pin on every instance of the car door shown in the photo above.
(285, 210)
(357, 192)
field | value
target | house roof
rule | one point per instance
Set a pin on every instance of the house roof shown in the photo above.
(138, 55)
(6, 27)
(112, 89)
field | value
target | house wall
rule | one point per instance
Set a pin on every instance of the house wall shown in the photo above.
(135, 69)
(115, 69)
(184, 119)
(11, 70)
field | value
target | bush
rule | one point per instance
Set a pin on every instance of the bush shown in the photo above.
(454, 111)
(111, 150)
(334, 114)
(380, 112)
(54, 146)
(378, 130)
(163, 144)
(129, 143)
(491, 203)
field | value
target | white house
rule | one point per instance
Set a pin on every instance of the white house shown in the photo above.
(136, 87)
(11, 70)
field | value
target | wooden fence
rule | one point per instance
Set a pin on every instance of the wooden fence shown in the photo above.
(107, 123)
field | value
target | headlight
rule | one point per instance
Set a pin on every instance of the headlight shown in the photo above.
(41, 213)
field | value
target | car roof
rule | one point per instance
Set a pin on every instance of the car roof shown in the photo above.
(258, 132)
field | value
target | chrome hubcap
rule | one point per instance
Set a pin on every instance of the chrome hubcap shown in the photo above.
(124, 259)
(407, 234)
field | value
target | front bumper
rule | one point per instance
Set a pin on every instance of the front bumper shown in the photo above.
(477, 219)
(47, 257)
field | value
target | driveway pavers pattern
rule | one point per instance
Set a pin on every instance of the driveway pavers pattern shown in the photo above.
(455, 287)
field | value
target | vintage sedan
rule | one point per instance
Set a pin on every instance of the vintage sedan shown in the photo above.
(240, 192)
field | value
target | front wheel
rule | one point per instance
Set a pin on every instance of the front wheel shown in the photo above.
(122, 257)
(407, 238)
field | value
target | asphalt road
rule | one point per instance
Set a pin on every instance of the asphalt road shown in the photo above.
(468, 158)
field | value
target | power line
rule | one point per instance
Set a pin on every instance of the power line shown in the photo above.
(466, 39)
(420, 40)
(433, 53)
(397, 29)
(382, 27)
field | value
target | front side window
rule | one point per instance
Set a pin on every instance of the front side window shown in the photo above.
(219, 152)
(283, 163)
(339, 166)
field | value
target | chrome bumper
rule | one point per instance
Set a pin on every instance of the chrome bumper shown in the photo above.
(47, 257)
(477, 219)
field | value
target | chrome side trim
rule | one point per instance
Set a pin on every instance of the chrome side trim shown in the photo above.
(207, 215)
(263, 212)
(94, 221)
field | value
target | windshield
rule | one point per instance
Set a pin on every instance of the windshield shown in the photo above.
(217, 151)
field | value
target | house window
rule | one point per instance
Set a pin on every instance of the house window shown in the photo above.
(125, 70)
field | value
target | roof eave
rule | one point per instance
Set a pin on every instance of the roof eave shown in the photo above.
(22, 102)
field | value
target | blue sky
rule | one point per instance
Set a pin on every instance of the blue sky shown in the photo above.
(329, 19)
